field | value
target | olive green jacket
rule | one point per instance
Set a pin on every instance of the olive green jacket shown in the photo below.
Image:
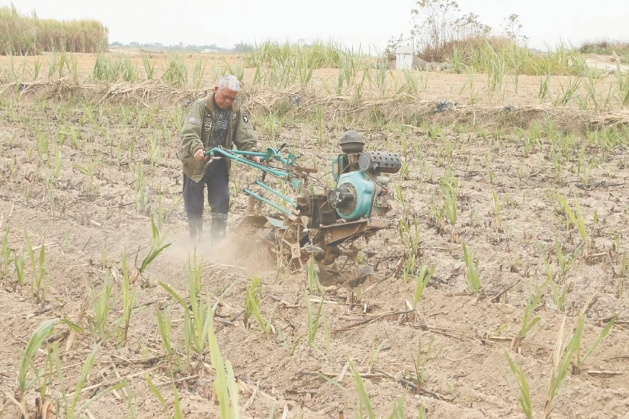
(197, 130)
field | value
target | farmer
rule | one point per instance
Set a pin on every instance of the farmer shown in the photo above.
(214, 121)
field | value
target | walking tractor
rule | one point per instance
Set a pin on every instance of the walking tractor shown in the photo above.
(325, 225)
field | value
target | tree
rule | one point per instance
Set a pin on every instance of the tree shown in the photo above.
(438, 22)
(242, 47)
(512, 29)
(431, 20)
(393, 44)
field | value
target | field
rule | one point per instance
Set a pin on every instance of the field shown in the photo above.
(501, 293)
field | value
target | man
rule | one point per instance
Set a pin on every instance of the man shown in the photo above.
(214, 121)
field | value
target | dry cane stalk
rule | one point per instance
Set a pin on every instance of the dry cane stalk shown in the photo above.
(21, 406)
(79, 318)
(44, 409)
(555, 368)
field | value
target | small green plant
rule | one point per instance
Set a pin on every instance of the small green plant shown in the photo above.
(101, 305)
(177, 414)
(622, 274)
(409, 269)
(252, 305)
(520, 377)
(544, 91)
(72, 408)
(128, 300)
(410, 85)
(313, 321)
(419, 364)
(424, 276)
(108, 70)
(364, 403)
(557, 165)
(472, 277)
(5, 254)
(448, 185)
(574, 218)
(149, 68)
(497, 69)
(567, 92)
(164, 324)
(52, 65)
(237, 70)
(409, 233)
(157, 247)
(129, 401)
(563, 354)
(141, 197)
(56, 167)
(39, 285)
(44, 379)
(470, 75)
(154, 151)
(42, 145)
(526, 325)
(18, 265)
(374, 352)
(559, 295)
(88, 170)
(319, 118)
(565, 263)
(176, 73)
(43, 331)
(578, 333)
(497, 212)
(313, 278)
(225, 382)
(196, 312)
(437, 217)
(197, 74)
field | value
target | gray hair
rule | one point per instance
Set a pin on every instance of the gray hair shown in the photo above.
(230, 82)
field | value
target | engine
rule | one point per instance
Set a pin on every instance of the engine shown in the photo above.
(361, 186)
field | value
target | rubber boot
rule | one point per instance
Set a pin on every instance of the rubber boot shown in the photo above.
(195, 227)
(219, 228)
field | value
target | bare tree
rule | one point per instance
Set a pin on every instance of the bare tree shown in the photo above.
(438, 22)
(512, 29)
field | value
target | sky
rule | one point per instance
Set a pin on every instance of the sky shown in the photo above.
(367, 25)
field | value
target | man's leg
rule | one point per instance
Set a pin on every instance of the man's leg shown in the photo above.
(217, 181)
(193, 203)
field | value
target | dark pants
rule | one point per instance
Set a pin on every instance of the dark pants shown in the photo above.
(216, 180)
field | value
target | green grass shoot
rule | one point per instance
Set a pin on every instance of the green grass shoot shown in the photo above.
(472, 276)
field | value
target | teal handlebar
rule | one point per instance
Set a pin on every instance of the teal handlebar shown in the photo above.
(271, 154)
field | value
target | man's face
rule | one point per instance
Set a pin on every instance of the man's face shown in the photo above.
(224, 97)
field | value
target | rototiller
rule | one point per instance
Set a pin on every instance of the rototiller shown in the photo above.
(322, 225)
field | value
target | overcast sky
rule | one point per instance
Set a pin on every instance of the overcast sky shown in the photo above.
(368, 24)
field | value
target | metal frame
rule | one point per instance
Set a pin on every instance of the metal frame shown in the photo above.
(271, 154)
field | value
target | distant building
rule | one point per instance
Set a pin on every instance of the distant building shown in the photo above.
(404, 58)
(210, 51)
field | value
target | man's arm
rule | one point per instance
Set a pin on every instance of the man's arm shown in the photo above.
(191, 132)
(244, 138)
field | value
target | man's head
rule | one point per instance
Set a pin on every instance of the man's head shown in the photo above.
(226, 91)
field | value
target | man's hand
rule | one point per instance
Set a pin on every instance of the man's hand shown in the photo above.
(256, 159)
(199, 155)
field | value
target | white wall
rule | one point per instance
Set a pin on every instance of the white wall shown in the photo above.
(403, 61)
